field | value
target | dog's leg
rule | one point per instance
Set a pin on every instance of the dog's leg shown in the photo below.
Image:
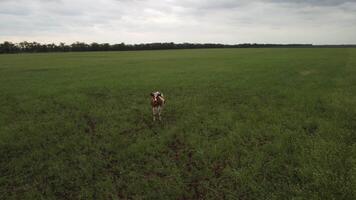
(159, 113)
(153, 114)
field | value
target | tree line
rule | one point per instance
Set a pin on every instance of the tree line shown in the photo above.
(32, 47)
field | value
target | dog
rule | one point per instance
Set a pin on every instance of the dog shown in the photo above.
(157, 103)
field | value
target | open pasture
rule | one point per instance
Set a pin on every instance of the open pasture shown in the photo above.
(238, 124)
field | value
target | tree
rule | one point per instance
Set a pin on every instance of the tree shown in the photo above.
(8, 47)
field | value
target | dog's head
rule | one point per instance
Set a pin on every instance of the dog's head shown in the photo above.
(156, 97)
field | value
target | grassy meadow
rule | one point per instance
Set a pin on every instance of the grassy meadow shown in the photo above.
(238, 124)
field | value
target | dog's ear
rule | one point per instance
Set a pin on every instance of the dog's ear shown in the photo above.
(152, 94)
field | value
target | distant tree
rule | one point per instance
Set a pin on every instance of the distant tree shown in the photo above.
(119, 47)
(8, 47)
(95, 46)
(23, 46)
(80, 46)
(105, 47)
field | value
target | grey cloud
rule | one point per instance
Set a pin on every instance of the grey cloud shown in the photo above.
(228, 4)
(315, 2)
(227, 21)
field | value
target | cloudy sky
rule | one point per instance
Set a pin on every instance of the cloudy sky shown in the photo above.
(218, 21)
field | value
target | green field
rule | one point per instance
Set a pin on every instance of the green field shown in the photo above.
(238, 124)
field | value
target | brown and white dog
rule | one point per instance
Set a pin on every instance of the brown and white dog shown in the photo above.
(157, 102)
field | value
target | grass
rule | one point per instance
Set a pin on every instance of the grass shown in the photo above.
(238, 124)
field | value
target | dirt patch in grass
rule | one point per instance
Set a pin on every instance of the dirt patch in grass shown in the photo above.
(307, 72)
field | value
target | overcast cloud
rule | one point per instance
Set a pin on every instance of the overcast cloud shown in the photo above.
(219, 21)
